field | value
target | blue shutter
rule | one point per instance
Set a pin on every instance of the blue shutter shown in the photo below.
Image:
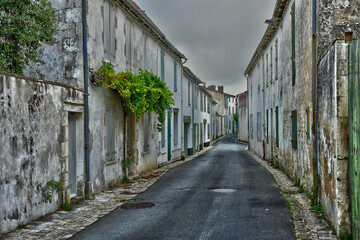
(162, 65)
(175, 77)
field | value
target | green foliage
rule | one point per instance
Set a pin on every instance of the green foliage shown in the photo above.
(65, 207)
(125, 179)
(236, 119)
(141, 93)
(24, 26)
(49, 188)
(21, 226)
(317, 208)
(126, 161)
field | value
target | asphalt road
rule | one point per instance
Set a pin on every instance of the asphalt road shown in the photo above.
(223, 194)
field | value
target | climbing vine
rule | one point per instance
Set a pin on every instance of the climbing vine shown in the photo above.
(141, 93)
(24, 27)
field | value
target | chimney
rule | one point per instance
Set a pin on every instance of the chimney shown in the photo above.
(221, 89)
(212, 87)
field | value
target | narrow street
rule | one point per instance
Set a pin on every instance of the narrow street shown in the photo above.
(223, 194)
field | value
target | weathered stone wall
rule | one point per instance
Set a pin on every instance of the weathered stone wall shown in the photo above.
(34, 150)
(335, 18)
(271, 88)
(63, 59)
(333, 135)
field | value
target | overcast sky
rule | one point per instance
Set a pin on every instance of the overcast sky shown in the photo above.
(218, 37)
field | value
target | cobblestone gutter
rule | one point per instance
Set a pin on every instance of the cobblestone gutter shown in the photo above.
(307, 223)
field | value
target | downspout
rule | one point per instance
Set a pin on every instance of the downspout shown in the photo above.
(315, 103)
(88, 186)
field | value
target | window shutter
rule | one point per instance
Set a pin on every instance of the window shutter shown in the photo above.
(277, 126)
(175, 76)
(294, 129)
(110, 132)
(162, 65)
(267, 126)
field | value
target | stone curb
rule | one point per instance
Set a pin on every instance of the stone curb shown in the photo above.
(63, 224)
(307, 223)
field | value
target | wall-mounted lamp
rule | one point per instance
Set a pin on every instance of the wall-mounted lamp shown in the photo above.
(271, 22)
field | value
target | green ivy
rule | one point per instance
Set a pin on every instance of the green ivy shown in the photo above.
(24, 26)
(141, 93)
(236, 118)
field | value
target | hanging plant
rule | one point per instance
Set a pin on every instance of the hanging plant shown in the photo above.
(141, 93)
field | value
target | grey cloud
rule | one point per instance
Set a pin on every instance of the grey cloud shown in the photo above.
(218, 37)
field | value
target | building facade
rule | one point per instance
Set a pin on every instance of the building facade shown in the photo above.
(298, 102)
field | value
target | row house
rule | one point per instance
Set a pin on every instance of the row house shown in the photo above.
(303, 104)
(67, 130)
(225, 106)
(231, 112)
(198, 114)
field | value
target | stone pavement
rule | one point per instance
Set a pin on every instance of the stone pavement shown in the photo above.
(64, 224)
(307, 223)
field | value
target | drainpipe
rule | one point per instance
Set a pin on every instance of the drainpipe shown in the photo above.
(315, 104)
(88, 186)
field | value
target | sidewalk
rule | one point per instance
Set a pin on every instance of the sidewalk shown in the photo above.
(64, 224)
(306, 220)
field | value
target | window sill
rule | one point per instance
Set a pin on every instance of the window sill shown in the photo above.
(107, 163)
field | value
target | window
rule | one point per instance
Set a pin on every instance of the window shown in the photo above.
(208, 130)
(145, 37)
(267, 126)
(146, 125)
(176, 128)
(267, 69)
(109, 30)
(128, 44)
(271, 64)
(110, 132)
(204, 103)
(293, 43)
(233, 110)
(229, 110)
(276, 59)
(294, 129)
(189, 94)
(162, 56)
(277, 126)
(175, 76)
(251, 126)
(208, 106)
(201, 102)
(163, 136)
(308, 122)
(259, 126)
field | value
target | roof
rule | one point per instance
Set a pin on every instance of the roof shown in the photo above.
(224, 93)
(191, 75)
(135, 11)
(279, 10)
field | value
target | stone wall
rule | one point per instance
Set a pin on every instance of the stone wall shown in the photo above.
(33, 138)
(333, 135)
(337, 20)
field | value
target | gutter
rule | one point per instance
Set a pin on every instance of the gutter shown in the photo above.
(88, 186)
